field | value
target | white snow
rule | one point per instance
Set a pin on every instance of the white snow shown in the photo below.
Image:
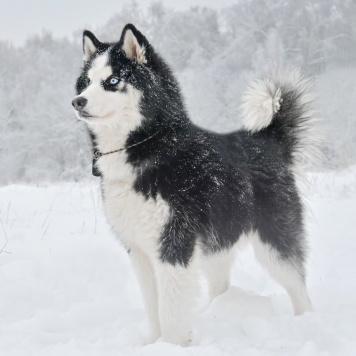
(67, 287)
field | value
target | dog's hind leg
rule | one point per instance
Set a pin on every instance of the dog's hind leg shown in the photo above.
(217, 270)
(147, 281)
(288, 270)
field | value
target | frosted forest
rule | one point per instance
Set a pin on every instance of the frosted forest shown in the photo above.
(215, 54)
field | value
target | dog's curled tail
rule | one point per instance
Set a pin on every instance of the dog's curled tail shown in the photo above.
(281, 105)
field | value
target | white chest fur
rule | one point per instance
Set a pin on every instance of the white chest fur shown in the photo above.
(135, 219)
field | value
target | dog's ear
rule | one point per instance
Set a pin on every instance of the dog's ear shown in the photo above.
(90, 44)
(135, 44)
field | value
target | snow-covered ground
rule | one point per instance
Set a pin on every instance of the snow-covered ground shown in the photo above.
(67, 288)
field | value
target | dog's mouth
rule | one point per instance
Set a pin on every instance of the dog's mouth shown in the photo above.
(85, 115)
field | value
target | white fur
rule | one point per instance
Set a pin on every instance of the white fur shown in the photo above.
(178, 289)
(287, 274)
(145, 274)
(261, 102)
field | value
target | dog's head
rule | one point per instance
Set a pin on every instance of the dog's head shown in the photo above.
(121, 83)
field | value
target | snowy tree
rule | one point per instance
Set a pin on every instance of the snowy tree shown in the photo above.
(214, 54)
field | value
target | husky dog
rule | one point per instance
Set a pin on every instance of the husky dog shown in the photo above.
(178, 197)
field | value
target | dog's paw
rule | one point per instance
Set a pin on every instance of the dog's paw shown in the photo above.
(151, 337)
(179, 340)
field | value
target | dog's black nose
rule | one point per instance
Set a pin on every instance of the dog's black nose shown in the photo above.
(79, 103)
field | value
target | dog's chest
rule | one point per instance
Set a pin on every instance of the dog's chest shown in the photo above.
(135, 219)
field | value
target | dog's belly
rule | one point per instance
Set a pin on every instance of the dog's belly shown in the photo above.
(137, 221)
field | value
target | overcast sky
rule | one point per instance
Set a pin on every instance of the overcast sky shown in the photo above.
(21, 18)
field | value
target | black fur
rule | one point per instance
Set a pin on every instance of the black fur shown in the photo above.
(218, 186)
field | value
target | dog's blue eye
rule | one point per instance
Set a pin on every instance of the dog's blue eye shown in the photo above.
(113, 80)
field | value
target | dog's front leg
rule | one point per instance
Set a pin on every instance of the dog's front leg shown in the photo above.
(178, 288)
(147, 281)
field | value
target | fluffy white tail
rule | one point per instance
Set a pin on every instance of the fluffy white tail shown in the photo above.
(282, 105)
